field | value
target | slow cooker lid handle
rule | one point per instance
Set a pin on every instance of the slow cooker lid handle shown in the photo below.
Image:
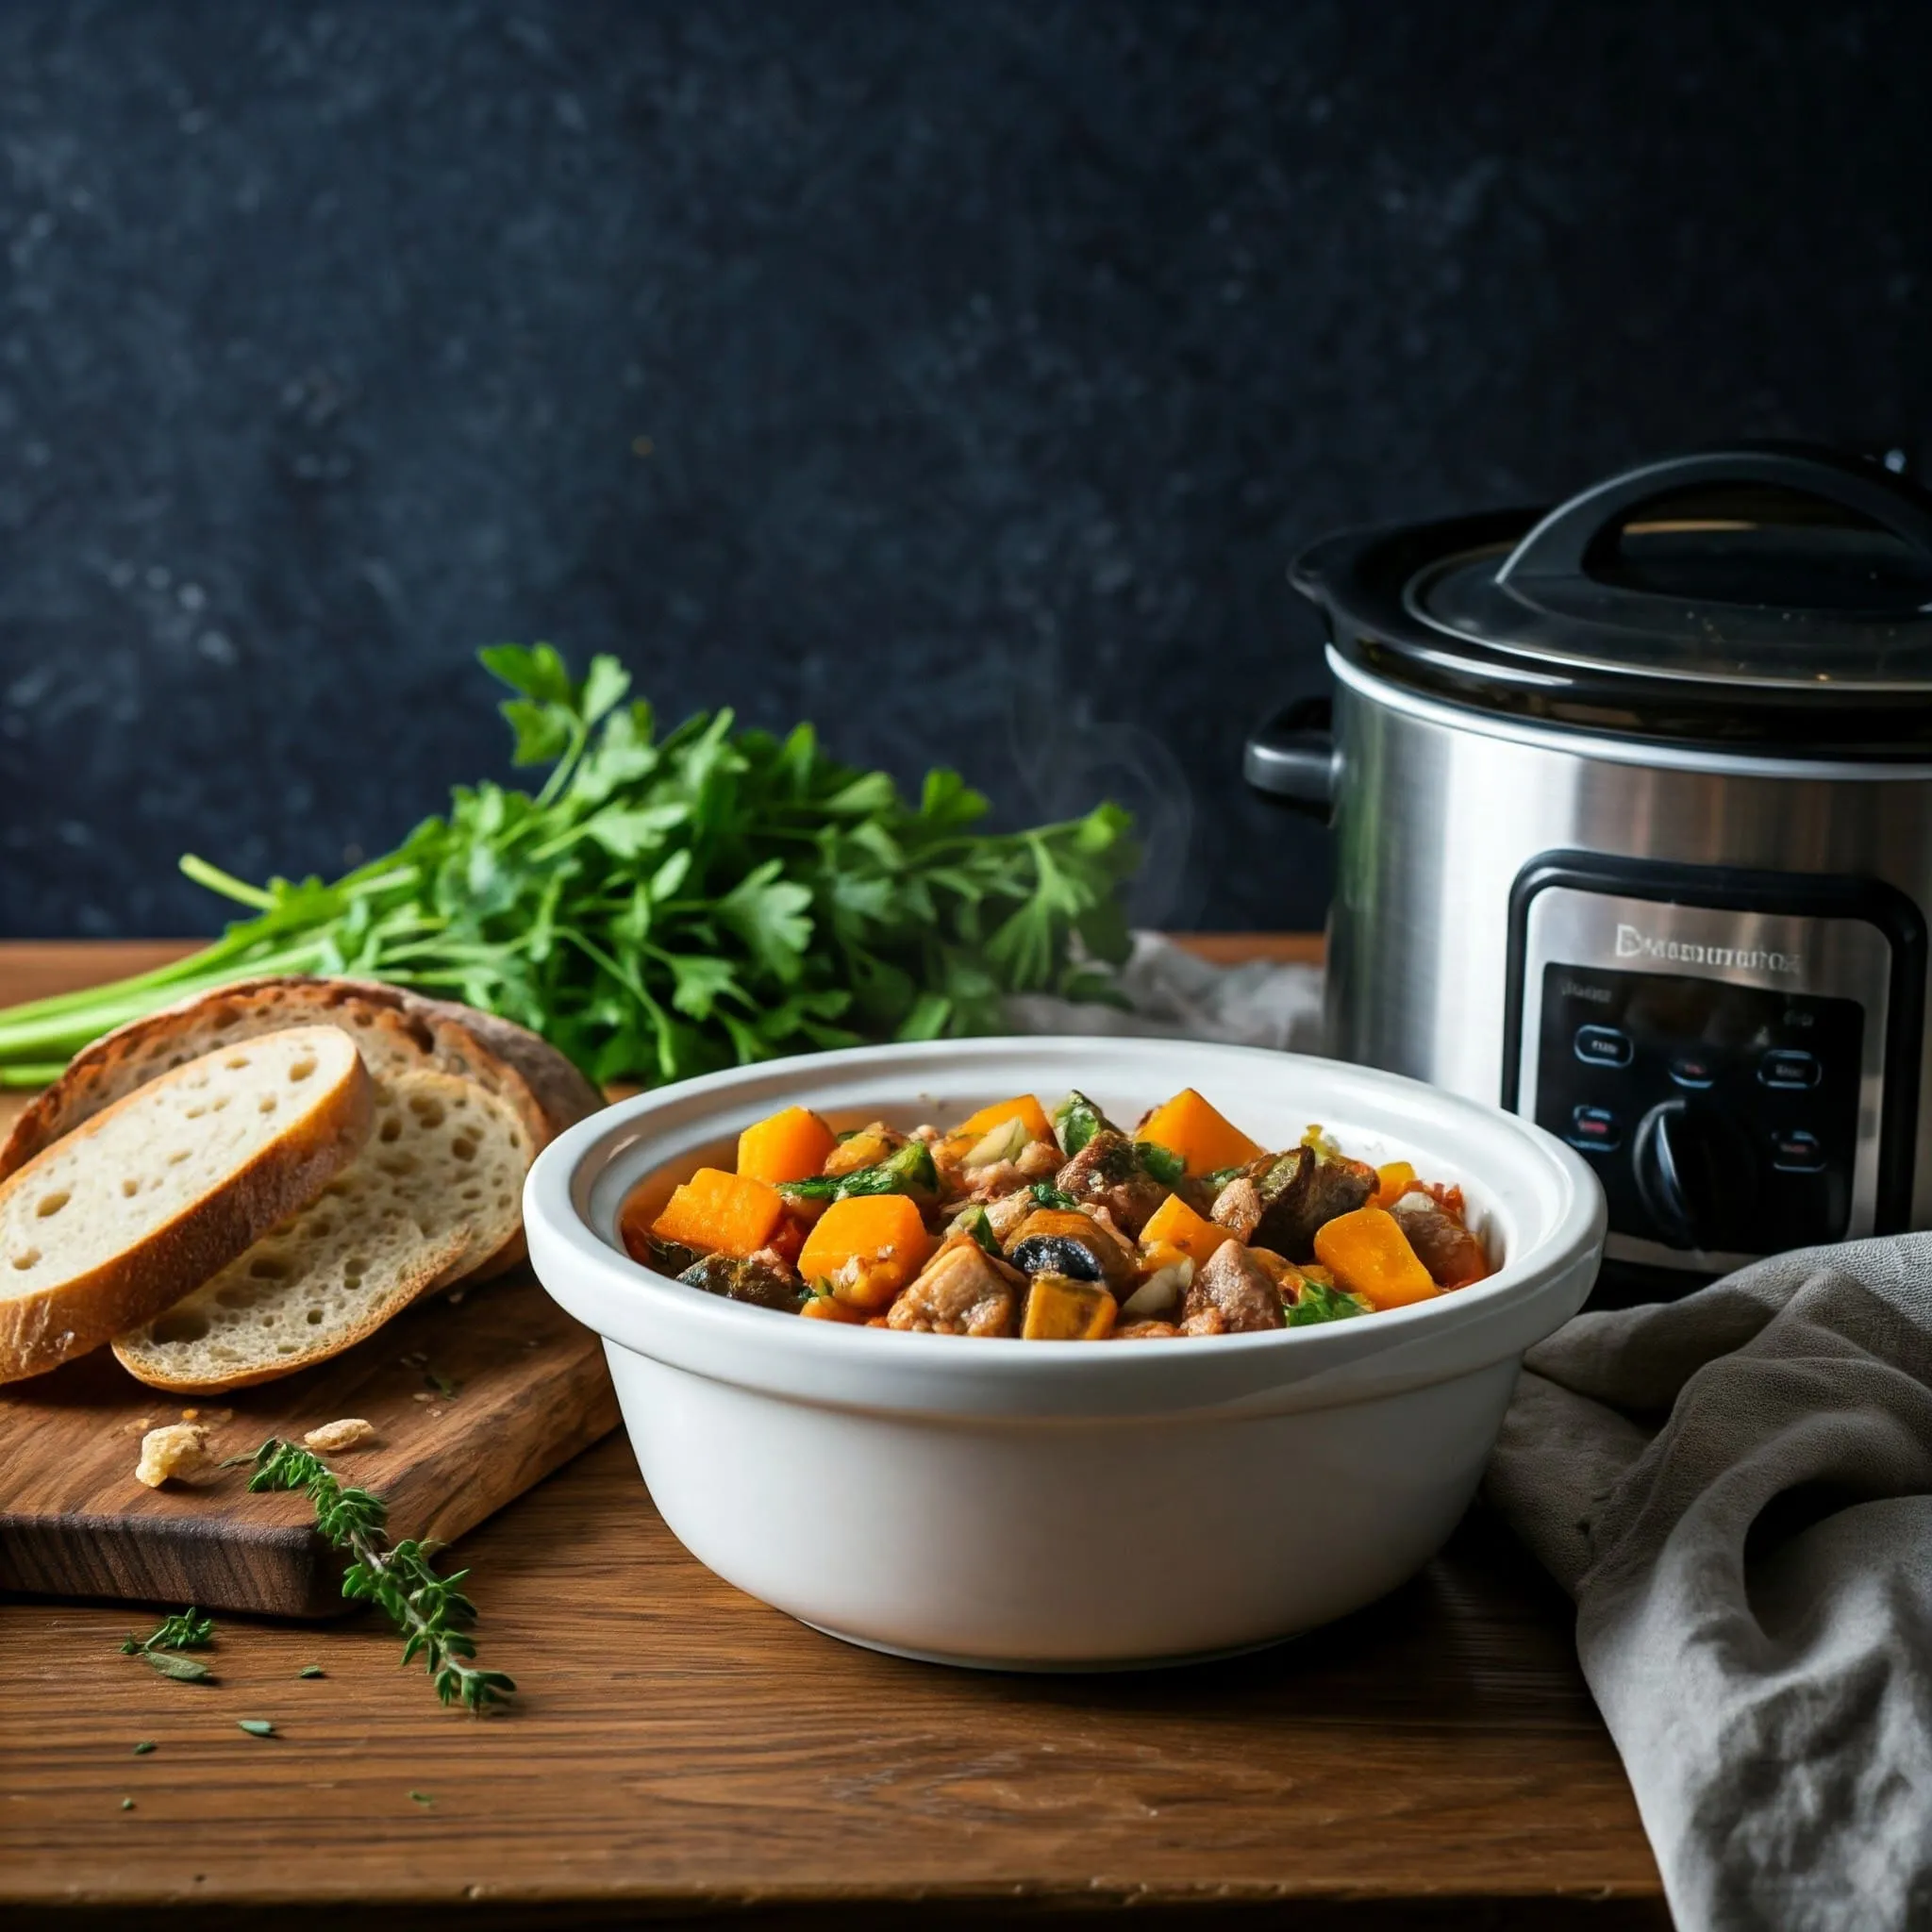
(1577, 535)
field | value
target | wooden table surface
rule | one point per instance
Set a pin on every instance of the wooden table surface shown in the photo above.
(681, 1752)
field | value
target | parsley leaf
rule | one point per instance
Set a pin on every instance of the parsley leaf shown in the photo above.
(1319, 1302)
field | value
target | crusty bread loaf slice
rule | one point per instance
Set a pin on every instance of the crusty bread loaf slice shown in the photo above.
(437, 1183)
(397, 1031)
(151, 1196)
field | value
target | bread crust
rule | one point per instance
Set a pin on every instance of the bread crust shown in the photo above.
(395, 1026)
(40, 1330)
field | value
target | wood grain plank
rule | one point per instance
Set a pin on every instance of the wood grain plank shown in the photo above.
(679, 1743)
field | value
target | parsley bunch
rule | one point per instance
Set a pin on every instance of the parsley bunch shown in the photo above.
(660, 906)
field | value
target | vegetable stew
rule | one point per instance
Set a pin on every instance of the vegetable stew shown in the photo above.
(1057, 1227)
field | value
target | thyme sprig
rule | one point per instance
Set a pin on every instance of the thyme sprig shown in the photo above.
(189, 1629)
(430, 1611)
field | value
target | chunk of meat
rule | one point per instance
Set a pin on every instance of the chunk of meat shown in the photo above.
(1144, 1331)
(1238, 1208)
(1208, 1322)
(1007, 1212)
(1238, 1289)
(1108, 1172)
(1038, 1159)
(997, 1182)
(1301, 1193)
(1452, 1255)
(961, 1290)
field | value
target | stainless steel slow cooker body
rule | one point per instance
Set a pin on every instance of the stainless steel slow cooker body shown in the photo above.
(1683, 930)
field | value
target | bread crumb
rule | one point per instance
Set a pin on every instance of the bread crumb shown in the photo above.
(140, 1426)
(220, 1415)
(456, 1296)
(351, 1432)
(176, 1452)
(436, 1413)
(188, 1415)
(421, 1395)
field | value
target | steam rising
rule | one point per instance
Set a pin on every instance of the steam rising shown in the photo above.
(1067, 762)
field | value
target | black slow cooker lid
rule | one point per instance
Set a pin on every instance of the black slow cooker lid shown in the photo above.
(1773, 596)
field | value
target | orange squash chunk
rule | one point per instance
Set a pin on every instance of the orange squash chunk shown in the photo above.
(866, 1249)
(726, 1213)
(1058, 1310)
(827, 1307)
(786, 1146)
(1392, 1182)
(1178, 1225)
(1204, 1139)
(1368, 1254)
(1023, 1108)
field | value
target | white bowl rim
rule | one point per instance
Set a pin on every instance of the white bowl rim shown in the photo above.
(634, 1308)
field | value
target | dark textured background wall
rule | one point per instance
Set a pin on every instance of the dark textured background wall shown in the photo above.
(962, 376)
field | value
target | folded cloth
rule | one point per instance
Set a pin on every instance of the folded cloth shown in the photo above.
(1737, 1488)
(1173, 994)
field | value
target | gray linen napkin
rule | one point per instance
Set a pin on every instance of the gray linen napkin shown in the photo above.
(1737, 1488)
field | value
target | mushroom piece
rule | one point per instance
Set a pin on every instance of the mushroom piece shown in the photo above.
(762, 1280)
(1301, 1193)
(1062, 1240)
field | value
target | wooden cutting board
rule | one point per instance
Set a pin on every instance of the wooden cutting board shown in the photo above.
(474, 1396)
(473, 1402)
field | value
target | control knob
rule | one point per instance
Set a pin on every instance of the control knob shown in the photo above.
(1697, 1172)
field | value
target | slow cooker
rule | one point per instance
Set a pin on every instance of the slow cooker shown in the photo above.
(1632, 803)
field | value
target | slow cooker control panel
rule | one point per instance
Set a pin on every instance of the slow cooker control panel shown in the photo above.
(1736, 1054)
(1721, 1117)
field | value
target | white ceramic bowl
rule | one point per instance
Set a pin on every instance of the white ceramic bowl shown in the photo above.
(1066, 1505)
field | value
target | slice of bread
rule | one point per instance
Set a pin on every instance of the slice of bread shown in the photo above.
(397, 1031)
(156, 1193)
(437, 1183)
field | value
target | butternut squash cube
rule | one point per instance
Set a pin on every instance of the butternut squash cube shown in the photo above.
(1204, 1139)
(722, 1214)
(1060, 1309)
(788, 1146)
(1178, 1225)
(866, 1249)
(1023, 1108)
(1392, 1181)
(1368, 1254)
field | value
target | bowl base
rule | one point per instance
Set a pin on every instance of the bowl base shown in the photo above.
(1053, 1666)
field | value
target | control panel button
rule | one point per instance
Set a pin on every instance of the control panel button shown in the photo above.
(1603, 1046)
(1695, 1069)
(1795, 1151)
(1596, 1129)
(1789, 1068)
